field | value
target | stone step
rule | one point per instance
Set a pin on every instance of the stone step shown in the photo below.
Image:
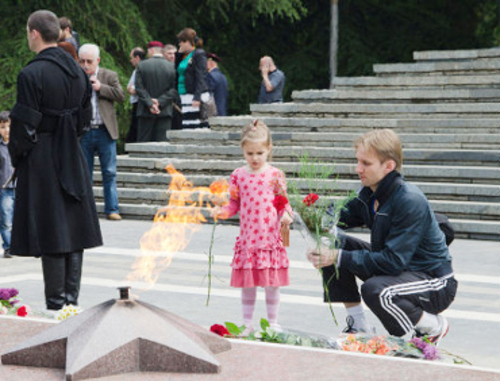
(435, 190)
(465, 228)
(456, 55)
(474, 67)
(335, 139)
(234, 124)
(439, 173)
(337, 96)
(456, 209)
(431, 82)
(397, 111)
(460, 157)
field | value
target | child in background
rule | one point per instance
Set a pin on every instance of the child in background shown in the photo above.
(6, 190)
(260, 258)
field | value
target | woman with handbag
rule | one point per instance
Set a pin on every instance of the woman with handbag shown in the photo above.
(191, 64)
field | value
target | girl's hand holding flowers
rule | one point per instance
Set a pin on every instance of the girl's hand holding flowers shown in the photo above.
(322, 256)
(218, 212)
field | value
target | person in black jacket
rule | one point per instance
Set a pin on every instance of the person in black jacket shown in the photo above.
(406, 269)
(217, 83)
(155, 86)
(55, 215)
(191, 65)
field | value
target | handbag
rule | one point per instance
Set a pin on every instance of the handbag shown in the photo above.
(208, 109)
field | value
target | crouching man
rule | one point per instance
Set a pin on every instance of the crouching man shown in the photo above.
(406, 268)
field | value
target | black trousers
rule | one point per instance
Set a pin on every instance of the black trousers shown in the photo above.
(62, 274)
(397, 300)
(153, 129)
(132, 131)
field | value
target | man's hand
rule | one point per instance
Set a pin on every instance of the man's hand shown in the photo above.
(96, 84)
(155, 108)
(322, 256)
(265, 70)
(196, 104)
(131, 90)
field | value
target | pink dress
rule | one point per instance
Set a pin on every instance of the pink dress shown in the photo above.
(260, 258)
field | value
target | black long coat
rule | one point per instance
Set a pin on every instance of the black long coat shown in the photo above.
(54, 208)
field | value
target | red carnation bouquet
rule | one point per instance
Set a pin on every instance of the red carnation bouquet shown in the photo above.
(310, 199)
(316, 215)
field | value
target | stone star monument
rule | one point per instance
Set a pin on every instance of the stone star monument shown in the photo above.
(121, 336)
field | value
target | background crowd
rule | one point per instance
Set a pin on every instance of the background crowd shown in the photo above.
(294, 32)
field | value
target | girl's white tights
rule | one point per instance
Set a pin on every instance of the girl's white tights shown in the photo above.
(272, 304)
(248, 296)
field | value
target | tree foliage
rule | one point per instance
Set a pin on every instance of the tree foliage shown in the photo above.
(294, 32)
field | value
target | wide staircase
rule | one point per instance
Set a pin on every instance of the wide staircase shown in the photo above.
(445, 107)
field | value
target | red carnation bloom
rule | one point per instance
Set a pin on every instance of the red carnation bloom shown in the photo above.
(310, 199)
(280, 202)
(22, 311)
(219, 330)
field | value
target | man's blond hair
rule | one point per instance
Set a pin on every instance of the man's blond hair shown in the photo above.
(385, 143)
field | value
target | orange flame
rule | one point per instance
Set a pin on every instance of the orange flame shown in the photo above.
(174, 225)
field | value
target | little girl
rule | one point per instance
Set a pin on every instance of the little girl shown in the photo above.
(259, 256)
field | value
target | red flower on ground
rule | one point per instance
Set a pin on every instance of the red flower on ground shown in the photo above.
(219, 330)
(22, 311)
(310, 199)
(280, 202)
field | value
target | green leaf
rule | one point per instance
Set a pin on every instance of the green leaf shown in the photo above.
(233, 328)
(264, 324)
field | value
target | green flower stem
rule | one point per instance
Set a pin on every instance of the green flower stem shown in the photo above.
(210, 261)
(325, 285)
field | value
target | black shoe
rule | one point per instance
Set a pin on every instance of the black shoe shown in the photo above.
(6, 253)
(350, 329)
(350, 322)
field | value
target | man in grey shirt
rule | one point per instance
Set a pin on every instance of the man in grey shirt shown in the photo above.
(273, 82)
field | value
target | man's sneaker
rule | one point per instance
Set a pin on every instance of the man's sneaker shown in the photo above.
(350, 322)
(6, 253)
(350, 327)
(436, 339)
(444, 330)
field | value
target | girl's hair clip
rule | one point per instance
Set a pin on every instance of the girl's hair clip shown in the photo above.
(255, 121)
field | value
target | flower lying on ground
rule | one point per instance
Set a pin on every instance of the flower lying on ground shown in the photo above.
(377, 345)
(8, 297)
(416, 348)
(428, 349)
(9, 303)
(68, 311)
(23, 311)
(220, 330)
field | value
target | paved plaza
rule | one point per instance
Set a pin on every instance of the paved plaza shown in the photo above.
(182, 287)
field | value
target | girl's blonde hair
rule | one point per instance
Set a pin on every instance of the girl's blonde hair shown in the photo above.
(256, 131)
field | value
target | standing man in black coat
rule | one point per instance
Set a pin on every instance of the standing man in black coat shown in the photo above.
(155, 87)
(55, 216)
(217, 84)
